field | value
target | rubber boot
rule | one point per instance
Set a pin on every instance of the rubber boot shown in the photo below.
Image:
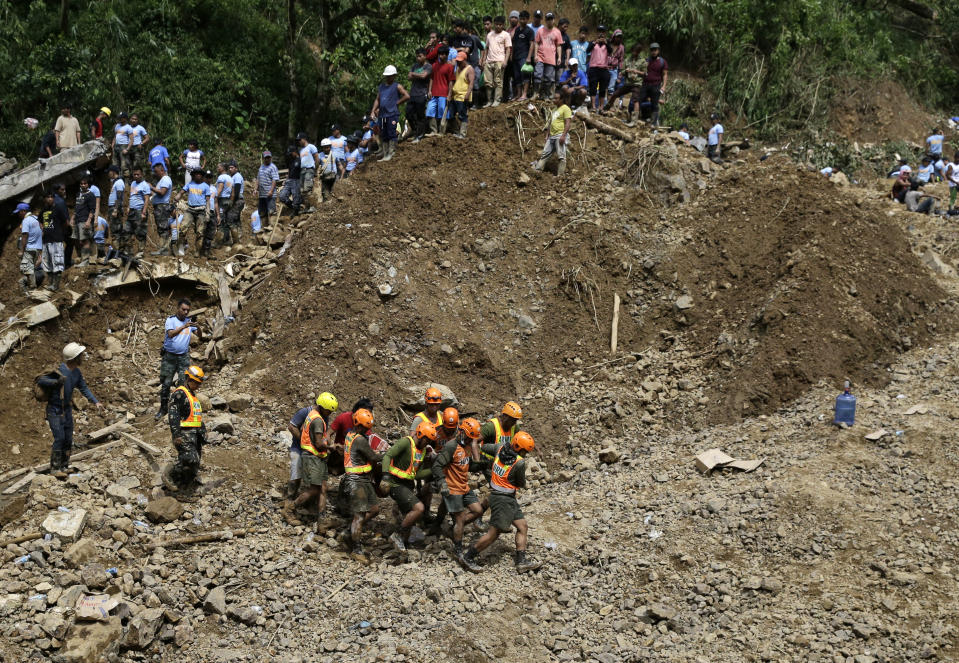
(540, 165)
(631, 119)
(49, 281)
(164, 403)
(561, 168)
(235, 235)
(390, 149)
(462, 131)
(655, 121)
(55, 281)
(54, 461)
(434, 127)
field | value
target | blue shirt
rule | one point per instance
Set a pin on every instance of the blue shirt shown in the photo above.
(60, 397)
(197, 193)
(138, 194)
(297, 422)
(95, 190)
(327, 162)
(122, 133)
(366, 136)
(116, 191)
(100, 235)
(579, 78)
(338, 147)
(159, 155)
(227, 182)
(389, 99)
(353, 159)
(265, 178)
(164, 183)
(306, 156)
(139, 133)
(238, 181)
(935, 142)
(179, 344)
(31, 226)
(924, 174)
(255, 224)
(714, 133)
(579, 52)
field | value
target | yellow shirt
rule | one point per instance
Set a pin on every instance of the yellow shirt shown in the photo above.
(461, 87)
(557, 121)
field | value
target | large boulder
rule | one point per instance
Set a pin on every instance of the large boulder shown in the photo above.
(164, 510)
(414, 398)
(65, 524)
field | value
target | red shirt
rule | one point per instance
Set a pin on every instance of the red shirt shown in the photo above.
(442, 76)
(433, 53)
(341, 426)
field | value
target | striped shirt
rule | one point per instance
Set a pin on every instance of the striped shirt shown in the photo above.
(265, 178)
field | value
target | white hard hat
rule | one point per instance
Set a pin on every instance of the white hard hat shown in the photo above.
(325, 142)
(72, 351)
(573, 61)
(389, 71)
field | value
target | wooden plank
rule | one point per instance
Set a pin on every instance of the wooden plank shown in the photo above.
(614, 333)
(146, 446)
(14, 487)
(226, 299)
(29, 536)
(116, 427)
(12, 474)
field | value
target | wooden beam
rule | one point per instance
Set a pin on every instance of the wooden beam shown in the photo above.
(14, 487)
(614, 332)
(149, 448)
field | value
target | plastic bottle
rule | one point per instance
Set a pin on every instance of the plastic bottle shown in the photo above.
(845, 408)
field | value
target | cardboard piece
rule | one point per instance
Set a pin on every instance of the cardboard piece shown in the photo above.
(378, 444)
(95, 607)
(878, 435)
(710, 459)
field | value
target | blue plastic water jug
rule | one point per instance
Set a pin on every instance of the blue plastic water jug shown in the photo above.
(845, 408)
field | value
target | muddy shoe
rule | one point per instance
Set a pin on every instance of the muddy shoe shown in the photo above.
(289, 516)
(60, 473)
(344, 539)
(397, 542)
(168, 483)
(525, 565)
(360, 555)
(469, 563)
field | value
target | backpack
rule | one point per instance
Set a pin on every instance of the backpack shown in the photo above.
(43, 394)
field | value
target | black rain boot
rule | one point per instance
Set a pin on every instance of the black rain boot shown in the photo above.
(468, 560)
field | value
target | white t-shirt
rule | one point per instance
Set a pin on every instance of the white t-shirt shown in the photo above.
(683, 135)
(714, 133)
(827, 171)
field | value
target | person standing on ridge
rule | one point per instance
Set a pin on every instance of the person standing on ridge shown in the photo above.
(53, 221)
(389, 97)
(192, 158)
(67, 130)
(188, 432)
(499, 48)
(267, 178)
(461, 93)
(161, 207)
(439, 89)
(421, 72)
(141, 140)
(30, 246)
(97, 125)
(178, 331)
(654, 81)
(122, 135)
(307, 153)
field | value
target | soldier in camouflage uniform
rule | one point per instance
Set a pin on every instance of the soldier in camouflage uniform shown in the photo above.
(188, 431)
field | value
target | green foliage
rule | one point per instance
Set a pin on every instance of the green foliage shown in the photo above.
(775, 64)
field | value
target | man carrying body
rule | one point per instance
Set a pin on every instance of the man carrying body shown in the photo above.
(175, 355)
(59, 411)
(433, 401)
(451, 468)
(188, 432)
(401, 467)
(358, 462)
(508, 476)
(315, 448)
(30, 245)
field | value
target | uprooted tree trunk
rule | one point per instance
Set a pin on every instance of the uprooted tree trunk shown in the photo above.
(593, 123)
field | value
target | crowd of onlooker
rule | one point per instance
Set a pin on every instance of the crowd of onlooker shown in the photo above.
(516, 58)
(935, 166)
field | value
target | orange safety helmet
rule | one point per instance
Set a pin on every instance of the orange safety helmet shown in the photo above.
(471, 427)
(363, 418)
(512, 409)
(451, 417)
(426, 430)
(434, 395)
(523, 441)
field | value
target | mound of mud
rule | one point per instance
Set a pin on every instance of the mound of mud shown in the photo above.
(794, 283)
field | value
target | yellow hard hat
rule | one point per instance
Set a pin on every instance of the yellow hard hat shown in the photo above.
(194, 373)
(327, 401)
(106, 110)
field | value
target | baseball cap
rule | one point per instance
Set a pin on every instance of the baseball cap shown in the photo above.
(601, 28)
(654, 45)
(461, 56)
(267, 154)
(573, 61)
(617, 32)
(22, 207)
(550, 15)
(514, 14)
(538, 13)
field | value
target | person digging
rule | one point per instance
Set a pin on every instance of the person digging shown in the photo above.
(508, 477)
(185, 416)
(315, 446)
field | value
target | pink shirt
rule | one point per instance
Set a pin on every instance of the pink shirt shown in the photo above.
(546, 43)
(496, 45)
(598, 56)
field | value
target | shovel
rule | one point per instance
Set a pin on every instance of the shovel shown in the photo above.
(446, 114)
